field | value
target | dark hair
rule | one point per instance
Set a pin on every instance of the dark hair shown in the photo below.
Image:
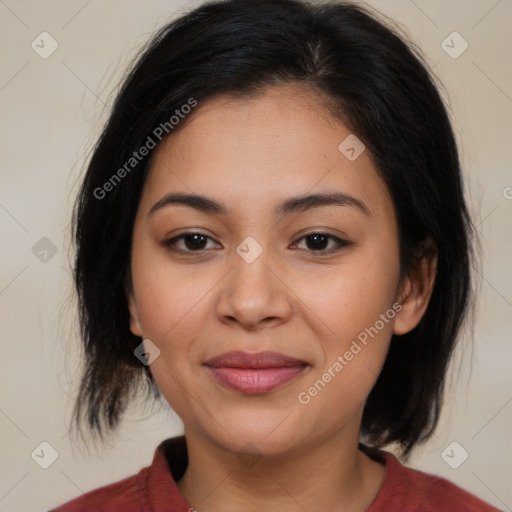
(379, 86)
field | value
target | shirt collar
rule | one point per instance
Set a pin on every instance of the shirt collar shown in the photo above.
(159, 492)
(157, 483)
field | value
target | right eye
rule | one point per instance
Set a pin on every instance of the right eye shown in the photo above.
(192, 241)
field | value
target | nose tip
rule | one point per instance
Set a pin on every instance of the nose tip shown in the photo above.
(253, 295)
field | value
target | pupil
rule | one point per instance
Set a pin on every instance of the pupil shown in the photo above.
(316, 238)
(195, 244)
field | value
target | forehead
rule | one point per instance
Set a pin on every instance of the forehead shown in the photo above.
(253, 152)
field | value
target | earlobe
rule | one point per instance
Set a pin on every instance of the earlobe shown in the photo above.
(135, 326)
(416, 290)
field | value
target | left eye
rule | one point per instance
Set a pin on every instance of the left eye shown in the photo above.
(315, 242)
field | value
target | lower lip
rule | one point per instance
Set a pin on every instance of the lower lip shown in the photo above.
(252, 381)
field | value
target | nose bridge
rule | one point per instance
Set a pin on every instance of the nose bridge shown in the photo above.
(251, 276)
(253, 291)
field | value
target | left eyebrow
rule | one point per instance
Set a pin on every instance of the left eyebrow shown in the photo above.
(308, 201)
(288, 206)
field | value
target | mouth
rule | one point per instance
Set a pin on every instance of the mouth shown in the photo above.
(254, 373)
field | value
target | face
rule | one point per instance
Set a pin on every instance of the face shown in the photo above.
(315, 281)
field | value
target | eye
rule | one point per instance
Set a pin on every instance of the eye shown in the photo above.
(193, 242)
(316, 242)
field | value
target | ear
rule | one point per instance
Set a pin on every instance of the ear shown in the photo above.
(135, 324)
(416, 288)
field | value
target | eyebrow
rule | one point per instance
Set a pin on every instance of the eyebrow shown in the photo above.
(288, 206)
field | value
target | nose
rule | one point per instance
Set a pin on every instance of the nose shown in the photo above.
(254, 294)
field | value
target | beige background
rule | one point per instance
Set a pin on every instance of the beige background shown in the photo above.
(52, 109)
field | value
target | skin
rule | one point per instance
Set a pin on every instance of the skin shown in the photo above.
(249, 155)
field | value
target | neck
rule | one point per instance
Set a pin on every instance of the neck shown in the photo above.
(329, 475)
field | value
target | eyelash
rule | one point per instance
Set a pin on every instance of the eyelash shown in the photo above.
(341, 243)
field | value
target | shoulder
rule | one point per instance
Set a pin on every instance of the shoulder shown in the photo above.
(150, 489)
(123, 495)
(416, 491)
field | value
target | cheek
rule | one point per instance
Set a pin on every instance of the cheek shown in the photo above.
(168, 295)
(360, 314)
(357, 307)
(165, 306)
(351, 297)
(361, 328)
(171, 305)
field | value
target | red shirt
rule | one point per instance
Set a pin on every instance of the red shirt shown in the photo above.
(154, 489)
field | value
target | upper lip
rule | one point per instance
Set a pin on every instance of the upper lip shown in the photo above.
(239, 359)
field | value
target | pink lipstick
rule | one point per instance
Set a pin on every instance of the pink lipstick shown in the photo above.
(254, 373)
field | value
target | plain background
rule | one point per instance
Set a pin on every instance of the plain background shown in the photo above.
(53, 109)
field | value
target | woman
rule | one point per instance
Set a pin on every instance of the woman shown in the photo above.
(272, 234)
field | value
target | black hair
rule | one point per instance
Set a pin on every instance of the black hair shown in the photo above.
(377, 84)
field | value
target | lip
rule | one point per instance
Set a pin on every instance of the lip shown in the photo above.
(254, 373)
